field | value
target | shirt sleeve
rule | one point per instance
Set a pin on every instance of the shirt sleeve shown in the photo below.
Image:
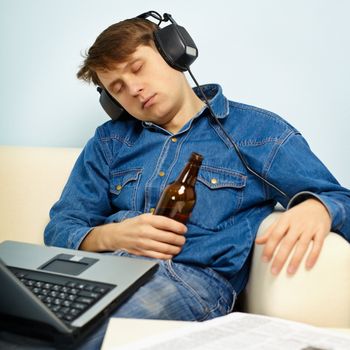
(84, 202)
(296, 169)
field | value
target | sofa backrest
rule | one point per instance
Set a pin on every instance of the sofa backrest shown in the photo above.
(31, 181)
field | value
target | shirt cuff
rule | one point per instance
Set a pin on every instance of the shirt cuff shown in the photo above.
(78, 237)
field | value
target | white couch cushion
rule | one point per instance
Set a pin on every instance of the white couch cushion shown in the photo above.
(31, 180)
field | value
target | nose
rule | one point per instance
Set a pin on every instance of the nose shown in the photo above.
(135, 87)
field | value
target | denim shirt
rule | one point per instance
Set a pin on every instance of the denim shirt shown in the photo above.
(124, 168)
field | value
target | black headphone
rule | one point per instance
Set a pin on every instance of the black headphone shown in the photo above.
(173, 43)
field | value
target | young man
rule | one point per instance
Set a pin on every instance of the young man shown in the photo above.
(108, 201)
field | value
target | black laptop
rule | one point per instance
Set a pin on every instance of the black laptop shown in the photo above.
(59, 294)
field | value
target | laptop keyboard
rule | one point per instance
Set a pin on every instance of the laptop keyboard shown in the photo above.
(67, 297)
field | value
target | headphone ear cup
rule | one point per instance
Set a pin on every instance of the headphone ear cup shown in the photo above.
(110, 105)
(176, 46)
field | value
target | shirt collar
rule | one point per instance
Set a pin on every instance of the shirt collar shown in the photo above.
(218, 102)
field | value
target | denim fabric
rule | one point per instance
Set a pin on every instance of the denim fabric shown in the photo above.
(118, 176)
(187, 296)
(176, 292)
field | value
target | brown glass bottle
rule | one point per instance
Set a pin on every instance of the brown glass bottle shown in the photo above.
(179, 197)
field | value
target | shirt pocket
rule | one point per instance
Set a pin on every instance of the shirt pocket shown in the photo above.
(123, 187)
(219, 195)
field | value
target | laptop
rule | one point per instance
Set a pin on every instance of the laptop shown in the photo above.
(61, 295)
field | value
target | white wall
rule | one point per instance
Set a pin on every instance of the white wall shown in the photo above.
(291, 57)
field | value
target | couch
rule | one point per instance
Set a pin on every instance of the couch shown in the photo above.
(32, 178)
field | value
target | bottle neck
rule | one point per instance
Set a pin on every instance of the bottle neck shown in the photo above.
(189, 174)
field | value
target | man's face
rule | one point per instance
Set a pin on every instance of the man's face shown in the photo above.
(146, 86)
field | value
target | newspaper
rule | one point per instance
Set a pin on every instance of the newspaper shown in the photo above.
(244, 331)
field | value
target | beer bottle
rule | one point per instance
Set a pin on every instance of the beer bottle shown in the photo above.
(179, 197)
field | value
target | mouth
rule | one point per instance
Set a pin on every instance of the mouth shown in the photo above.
(148, 102)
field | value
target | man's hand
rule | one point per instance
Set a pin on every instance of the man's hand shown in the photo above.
(307, 223)
(148, 235)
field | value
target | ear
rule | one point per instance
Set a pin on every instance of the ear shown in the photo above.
(110, 105)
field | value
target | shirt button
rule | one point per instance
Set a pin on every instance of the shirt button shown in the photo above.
(118, 187)
(174, 139)
(214, 181)
(161, 173)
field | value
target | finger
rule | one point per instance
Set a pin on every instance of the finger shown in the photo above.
(157, 255)
(261, 239)
(169, 238)
(300, 251)
(315, 251)
(150, 254)
(283, 251)
(156, 246)
(274, 239)
(157, 235)
(164, 223)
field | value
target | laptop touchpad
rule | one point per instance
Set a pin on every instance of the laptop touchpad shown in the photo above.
(68, 264)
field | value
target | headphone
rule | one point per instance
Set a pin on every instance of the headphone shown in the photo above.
(173, 43)
(179, 51)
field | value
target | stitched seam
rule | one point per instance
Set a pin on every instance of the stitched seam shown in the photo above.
(257, 143)
(342, 214)
(268, 114)
(219, 132)
(224, 171)
(273, 155)
(152, 177)
(226, 184)
(117, 138)
(216, 307)
(208, 311)
(185, 284)
(137, 172)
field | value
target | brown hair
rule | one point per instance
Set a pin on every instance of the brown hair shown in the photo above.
(114, 45)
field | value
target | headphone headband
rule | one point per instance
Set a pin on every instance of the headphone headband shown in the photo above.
(153, 14)
(156, 15)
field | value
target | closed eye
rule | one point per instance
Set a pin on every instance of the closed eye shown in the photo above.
(136, 67)
(117, 88)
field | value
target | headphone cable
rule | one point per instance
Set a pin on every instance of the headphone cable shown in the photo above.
(232, 142)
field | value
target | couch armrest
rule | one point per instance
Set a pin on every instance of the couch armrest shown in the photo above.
(320, 296)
